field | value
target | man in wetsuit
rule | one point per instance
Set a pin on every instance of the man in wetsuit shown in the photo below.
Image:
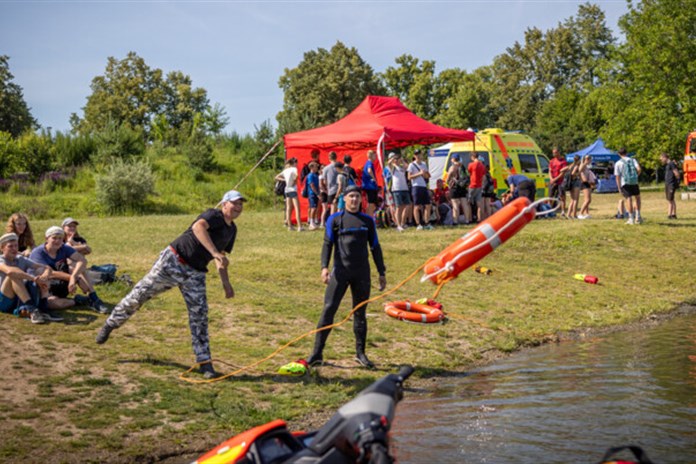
(349, 234)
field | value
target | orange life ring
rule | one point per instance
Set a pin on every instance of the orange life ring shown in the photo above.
(413, 312)
(449, 265)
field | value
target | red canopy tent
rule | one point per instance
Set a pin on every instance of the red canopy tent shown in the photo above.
(378, 123)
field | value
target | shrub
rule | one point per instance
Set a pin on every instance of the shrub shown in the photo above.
(73, 150)
(118, 142)
(125, 185)
(36, 154)
(199, 155)
(8, 154)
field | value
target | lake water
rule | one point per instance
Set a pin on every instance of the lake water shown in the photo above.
(563, 403)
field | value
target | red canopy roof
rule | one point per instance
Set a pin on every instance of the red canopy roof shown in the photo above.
(373, 118)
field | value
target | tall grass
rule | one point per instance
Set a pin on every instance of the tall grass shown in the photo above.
(179, 187)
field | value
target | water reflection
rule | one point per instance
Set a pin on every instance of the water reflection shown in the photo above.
(564, 403)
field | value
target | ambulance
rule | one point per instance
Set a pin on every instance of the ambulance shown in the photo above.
(505, 153)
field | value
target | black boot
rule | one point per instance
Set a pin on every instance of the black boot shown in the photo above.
(104, 333)
(360, 356)
(317, 357)
(208, 371)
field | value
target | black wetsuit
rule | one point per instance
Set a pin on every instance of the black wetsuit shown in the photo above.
(350, 236)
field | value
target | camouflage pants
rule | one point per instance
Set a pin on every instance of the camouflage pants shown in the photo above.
(166, 273)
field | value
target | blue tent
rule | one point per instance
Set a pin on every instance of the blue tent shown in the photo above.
(598, 151)
(606, 182)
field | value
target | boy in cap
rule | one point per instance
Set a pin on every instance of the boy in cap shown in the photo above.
(184, 263)
(15, 296)
(55, 254)
(73, 238)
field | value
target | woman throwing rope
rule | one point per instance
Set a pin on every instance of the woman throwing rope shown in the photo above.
(349, 234)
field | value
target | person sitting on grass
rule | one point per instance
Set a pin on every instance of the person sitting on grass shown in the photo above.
(73, 237)
(55, 254)
(19, 224)
(16, 283)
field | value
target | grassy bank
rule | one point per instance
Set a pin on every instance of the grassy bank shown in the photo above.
(65, 399)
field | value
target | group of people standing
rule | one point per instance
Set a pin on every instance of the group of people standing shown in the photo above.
(577, 177)
(325, 188)
(408, 196)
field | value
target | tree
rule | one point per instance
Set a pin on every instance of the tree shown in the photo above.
(414, 83)
(15, 115)
(650, 103)
(565, 57)
(324, 87)
(463, 99)
(133, 94)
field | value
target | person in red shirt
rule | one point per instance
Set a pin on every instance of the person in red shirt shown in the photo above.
(557, 168)
(477, 170)
(441, 193)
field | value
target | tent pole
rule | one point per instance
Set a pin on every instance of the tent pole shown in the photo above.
(257, 164)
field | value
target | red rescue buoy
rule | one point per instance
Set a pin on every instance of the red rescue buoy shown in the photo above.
(414, 312)
(469, 249)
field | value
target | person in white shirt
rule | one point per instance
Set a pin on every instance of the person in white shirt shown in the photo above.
(292, 201)
(418, 174)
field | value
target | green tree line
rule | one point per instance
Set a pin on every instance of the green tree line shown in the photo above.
(565, 86)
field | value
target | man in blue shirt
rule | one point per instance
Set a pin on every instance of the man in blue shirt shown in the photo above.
(521, 186)
(369, 182)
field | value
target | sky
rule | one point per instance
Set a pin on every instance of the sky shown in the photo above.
(238, 50)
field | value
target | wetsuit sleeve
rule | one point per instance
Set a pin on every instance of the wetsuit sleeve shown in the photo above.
(328, 242)
(375, 246)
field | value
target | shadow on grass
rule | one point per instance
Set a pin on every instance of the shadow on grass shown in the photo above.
(155, 362)
(78, 318)
(677, 224)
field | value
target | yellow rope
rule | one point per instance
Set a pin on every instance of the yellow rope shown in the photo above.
(296, 339)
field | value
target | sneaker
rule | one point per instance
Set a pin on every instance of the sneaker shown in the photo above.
(399, 229)
(300, 229)
(99, 306)
(312, 227)
(81, 300)
(362, 359)
(428, 227)
(25, 310)
(53, 316)
(618, 216)
(630, 221)
(315, 361)
(208, 371)
(639, 220)
(103, 334)
(419, 227)
(37, 317)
